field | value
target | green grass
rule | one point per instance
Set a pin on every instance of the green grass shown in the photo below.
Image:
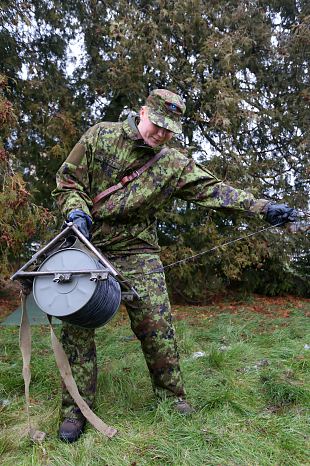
(250, 390)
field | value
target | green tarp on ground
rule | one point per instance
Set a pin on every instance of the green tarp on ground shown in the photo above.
(35, 315)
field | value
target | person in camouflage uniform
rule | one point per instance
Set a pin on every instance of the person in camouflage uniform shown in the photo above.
(124, 229)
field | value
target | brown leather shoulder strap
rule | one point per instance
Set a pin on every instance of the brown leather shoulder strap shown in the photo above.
(127, 179)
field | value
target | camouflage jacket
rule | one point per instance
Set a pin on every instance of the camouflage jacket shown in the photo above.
(126, 221)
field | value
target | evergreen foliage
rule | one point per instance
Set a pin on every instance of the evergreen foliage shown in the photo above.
(20, 218)
(243, 69)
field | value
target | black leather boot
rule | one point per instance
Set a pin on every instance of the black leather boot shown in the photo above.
(71, 429)
(182, 407)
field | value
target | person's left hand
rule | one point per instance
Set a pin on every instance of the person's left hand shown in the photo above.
(279, 214)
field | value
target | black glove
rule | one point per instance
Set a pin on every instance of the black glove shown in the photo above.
(280, 214)
(82, 221)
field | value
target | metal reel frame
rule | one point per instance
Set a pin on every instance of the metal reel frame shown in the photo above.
(128, 293)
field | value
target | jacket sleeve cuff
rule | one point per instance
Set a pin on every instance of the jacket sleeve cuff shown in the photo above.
(259, 206)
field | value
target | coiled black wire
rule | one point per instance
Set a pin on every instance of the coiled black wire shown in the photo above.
(101, 307)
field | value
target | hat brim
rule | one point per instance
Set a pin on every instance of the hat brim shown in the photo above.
(164, 122)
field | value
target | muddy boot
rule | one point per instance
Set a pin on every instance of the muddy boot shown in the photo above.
(71, 429)
(182, 407)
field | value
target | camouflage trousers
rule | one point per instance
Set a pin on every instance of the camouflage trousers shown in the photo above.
(151, 322)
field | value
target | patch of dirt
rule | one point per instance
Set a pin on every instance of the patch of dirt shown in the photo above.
(9, 297)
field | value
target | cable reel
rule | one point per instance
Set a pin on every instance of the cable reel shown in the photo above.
(75, 282)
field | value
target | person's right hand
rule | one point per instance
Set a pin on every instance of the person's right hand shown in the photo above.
(82, 221)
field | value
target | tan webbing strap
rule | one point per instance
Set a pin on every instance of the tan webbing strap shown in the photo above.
(126, 180)
(66, 374)
(25, 347)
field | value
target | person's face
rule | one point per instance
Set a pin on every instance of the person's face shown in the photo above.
(152, 134)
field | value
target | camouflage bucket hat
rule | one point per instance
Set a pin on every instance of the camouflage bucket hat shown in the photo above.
(165, 109)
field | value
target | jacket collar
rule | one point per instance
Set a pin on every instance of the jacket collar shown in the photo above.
(130, 127)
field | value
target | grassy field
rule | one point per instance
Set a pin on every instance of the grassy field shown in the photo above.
(250, 388)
